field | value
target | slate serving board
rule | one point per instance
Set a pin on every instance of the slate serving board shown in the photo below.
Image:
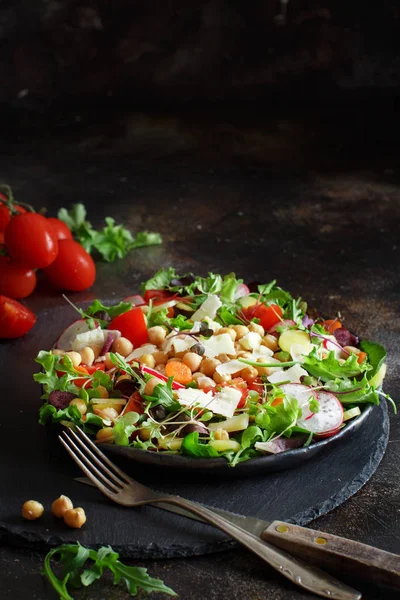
(35, 466)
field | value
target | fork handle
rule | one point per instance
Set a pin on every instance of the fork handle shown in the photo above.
(337, 552)
(294, 569)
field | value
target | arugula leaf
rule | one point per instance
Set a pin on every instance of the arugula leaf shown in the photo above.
(160, 280)
(50, 379)
(111, 242)
(163, 395)
(75, 557)
(250, 436)
(353, 392)
(124, 427)
(112, 311)
(192, 447)
(160, 317)
(376, 355)
(228, 316)
(330, 367)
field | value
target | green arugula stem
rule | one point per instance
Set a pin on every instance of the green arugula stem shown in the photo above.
(259, 364)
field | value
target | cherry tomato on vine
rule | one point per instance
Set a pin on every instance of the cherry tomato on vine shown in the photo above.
(16, 281)
(15, 318)
(5, 215)
(61, 229)
(31, 240)
(73, 269)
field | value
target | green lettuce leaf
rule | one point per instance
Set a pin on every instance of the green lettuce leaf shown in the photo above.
(330, 367)
(192, 447)
(376, 356)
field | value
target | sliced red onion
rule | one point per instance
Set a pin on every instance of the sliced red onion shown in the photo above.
(107, 344)
(307, 321)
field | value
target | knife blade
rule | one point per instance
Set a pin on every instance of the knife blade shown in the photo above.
(250, 524)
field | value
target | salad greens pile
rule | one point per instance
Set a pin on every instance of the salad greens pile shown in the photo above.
(82, 566)
(112, 242)
(214, 369)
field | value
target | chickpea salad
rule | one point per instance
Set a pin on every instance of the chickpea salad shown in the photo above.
(208, 367)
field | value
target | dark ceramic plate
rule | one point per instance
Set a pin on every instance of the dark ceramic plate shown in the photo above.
(220, 467)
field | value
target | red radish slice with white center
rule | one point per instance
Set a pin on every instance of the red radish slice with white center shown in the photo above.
(69, 334)
(329, 417)
(135, 300)
(241, 290)
(285, 323)
(303, 395)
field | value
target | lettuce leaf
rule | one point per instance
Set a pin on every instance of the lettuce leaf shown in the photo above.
(376, 355)
(330, 367)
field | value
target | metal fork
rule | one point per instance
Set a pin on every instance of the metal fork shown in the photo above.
(124, 490)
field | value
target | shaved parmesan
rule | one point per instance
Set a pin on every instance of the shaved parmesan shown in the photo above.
(292, 375)
(251, 341)
(138, 352)
(224, 403)
(230, 367)
(208, 308)
(218, 344)
(94, 336)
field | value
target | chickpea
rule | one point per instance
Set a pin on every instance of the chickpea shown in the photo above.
(108, 363)
(218, 378)
(106, 413)
(160, 357)
(87, 356)
(192, 360)
(160, 368)
(249, 373)
(174, 358)
(223, 358)
(208, 366)
(196, 375)
(80, 405)
(228, 330)
(147, 360)
(96, 349)
(156, 335)
(105, 435)
(123, 346)
(58, 352)
(151, 384)
(243, 354)
(204, 382)
(75, 357)
(32, 510)
(257, 328)
(221, 434)
(101, 392)
(241, 331)
(75, 517)
(270, 342)
(61, 505)
(263, 370)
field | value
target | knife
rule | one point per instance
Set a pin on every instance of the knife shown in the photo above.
(323, 549)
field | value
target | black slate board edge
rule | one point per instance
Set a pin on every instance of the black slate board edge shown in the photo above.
(9, 535)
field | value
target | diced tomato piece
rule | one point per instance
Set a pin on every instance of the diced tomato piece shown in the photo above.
(157, 296)
(81, 381)
(134, 404)
(93, 368)
(267, 315)
(256, 385)
(132, 325)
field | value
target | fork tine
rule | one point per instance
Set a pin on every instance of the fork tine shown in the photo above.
(97, 450)
(95, 474)
(108, 472)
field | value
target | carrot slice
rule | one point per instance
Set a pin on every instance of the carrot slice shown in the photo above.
(277, 401)
(332, 324)
(361, 357)
(179, 371)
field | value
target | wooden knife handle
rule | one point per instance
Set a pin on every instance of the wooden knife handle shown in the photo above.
(336, 552)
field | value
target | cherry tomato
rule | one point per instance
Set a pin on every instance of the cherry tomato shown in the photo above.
(16, 281)
(5, 215)
(132, 325)
(61, 229)
(31, 240)
(73, 269)
(15, 318)
(157, 295)
(267, 315)
(93, 368)
(256, 385)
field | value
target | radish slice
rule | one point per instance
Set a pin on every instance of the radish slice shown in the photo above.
(135, 300)
(279, 445)
(69, 334)
(328, 419)
(302, 393)
(285, 323)
(241, 290)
